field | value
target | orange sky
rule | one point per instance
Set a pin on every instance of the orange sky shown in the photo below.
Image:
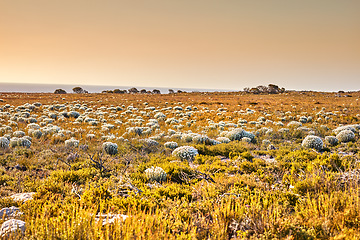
(191, 44)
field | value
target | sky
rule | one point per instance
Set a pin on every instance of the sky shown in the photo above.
(212, 44)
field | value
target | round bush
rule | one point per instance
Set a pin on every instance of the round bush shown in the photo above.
(171, 145)
(4, 143)
(223, 139)
(110, 148)
(238, 134)
(72, 143)
(185, 153)
(155, 174)
(14, 142)
(246, 139)
(19, 134)
(312, 141)
(345, 136)
(24, 142)
(36, 134)
(331, 140)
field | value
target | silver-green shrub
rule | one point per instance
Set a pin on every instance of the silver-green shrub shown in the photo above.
(331, 140)
(19, 134)
(171, 145)
(185, 153)
(36, 134)
(345, 136)
(72, 143)
(110, 148)
(4, 143)
(312, 141)
(14, 142)
(155, 174)
(223, 139)
(23, 142)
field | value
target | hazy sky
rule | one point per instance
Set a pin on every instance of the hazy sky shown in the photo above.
(227, 44)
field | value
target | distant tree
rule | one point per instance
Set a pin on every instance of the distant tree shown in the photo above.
(143, 91)
(117, 90)
(133, 90)
(179, 91)
(246, 89)
(156, 91)
(273, 89)
(254, 90)
(171, 91)
(79, 90)
(262, 89)
(60, 91)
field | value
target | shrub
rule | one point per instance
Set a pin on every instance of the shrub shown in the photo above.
(24, 142)
(4, 143)
(345, 136)
(110, 148)
(246, 139)
(14, 142)
(19, 134)
(155, 174)
(171, 145)
(223, 139)
(331, 140)
(74, 114)
(72, 143)
(185, 153)
(238, 134)
(294, 124)
(36, 134)
(312, 141)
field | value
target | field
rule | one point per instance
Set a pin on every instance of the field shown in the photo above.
(181, 166)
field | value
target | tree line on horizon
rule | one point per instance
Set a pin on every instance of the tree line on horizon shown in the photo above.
(132, 90)
(261, 89)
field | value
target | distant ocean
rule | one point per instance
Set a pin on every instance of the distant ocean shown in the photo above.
(50, 88)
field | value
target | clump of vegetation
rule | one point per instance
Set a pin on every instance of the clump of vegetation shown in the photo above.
(314, 142)
(331, 140)
(155, 174)
(110, 148)
(345, 136)
(185, 153)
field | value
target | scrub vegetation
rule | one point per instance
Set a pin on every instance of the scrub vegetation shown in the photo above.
(180, 166)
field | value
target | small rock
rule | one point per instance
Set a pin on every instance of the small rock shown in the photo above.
(11, 227)
(22, 197)
(10, 212)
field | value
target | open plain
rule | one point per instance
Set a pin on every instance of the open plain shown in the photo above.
(180, 166)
